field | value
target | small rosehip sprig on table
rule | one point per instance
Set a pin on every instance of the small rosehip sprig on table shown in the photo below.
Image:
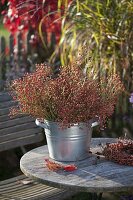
(53, 166)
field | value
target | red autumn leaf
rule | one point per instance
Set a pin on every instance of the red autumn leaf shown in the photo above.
(69, 168)
(56, 166)
(52, 165)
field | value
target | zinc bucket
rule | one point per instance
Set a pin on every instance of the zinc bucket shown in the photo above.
(67, 144)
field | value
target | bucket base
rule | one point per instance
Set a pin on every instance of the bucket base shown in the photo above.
(69, 159)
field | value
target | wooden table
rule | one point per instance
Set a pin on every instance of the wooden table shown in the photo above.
(93, 175)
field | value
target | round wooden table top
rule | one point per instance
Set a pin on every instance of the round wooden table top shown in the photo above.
(91, 175)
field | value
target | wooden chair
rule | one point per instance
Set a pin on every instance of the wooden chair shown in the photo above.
(18, 132)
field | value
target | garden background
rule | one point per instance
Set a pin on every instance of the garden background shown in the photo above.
(53, 32)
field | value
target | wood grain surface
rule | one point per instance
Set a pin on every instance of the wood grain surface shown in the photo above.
(92, 175)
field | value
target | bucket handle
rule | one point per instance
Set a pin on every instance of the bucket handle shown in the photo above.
(44, 125)
(94, 124)
(41, 124)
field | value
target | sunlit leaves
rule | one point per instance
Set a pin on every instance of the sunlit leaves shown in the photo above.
(106, 29)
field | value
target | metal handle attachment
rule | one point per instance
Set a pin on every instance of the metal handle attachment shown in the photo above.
(41, 124)
(94, 124)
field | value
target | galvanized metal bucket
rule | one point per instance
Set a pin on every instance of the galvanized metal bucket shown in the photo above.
(70, 144)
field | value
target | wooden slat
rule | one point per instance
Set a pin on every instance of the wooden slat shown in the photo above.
(4, 96)
(22, 141)
(7, 104)
(19, 134)
(22, 189)
(2, 58)
(17, 128)
(13, 121)
(15, 189)
(4, 198)
(6, 117)
(18, 131)
(5, 107)
(12, 180)
(11, 47)
(4, 111)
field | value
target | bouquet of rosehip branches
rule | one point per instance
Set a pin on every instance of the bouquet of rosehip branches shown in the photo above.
(68, 98)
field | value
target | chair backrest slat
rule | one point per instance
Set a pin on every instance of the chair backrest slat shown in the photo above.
(18, 131)
(4, 96)
(7, 104)
(16, 128)
(11, 122)
(22, 141)
(18, 134)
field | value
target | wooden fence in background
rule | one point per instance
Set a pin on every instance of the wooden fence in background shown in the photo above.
(15, 62)
(17, 59)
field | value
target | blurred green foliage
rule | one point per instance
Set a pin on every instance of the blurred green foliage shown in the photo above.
(4, 32)
(105, 27)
